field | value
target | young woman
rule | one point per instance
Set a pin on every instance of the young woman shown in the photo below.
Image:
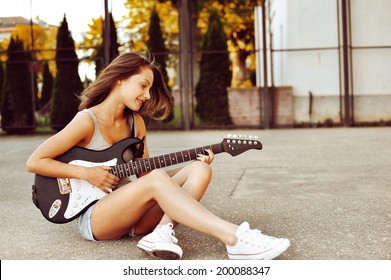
(156, 201)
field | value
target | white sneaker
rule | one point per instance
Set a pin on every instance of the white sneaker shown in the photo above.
(253, 245)
(161, 243)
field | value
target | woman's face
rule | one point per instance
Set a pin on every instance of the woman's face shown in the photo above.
(135, 90)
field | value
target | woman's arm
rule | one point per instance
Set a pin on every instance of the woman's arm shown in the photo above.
(42, 160)
(77, 133)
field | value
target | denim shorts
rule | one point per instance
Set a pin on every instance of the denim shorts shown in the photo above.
(84, 224)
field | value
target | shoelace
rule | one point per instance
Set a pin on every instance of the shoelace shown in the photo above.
(255, 237)
(167, 230)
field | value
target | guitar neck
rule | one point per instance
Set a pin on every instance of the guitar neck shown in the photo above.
(145, 165)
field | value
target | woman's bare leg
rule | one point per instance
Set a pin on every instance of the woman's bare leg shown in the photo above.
(194, 178)
(113, 215)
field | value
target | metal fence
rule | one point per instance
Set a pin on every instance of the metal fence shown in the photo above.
(345, 84)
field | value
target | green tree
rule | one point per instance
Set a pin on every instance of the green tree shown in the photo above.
(136, 35)
(16, 108)
(67, 84)
(113, 46)
(215, 75)
(157, 48)
(238, 17)
(44, 39)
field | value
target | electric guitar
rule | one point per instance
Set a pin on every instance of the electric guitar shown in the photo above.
(62, 200)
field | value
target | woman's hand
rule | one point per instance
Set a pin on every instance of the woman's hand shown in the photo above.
(100, 177)
(206, 158)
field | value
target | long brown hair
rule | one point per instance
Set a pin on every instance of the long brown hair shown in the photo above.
(158, 107)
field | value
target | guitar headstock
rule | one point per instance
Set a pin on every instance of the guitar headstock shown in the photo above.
(237, 144)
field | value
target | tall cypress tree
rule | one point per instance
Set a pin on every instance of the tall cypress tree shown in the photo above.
(67, 84)
(114, 52)
(16, 107)
(158, 49)
(114, 46)
(215, 74)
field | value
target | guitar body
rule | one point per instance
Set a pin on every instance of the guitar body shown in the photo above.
(62, 200)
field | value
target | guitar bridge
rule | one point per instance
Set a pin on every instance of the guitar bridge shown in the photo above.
(64, 185)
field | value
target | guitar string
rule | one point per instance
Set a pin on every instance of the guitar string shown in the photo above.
(172, 158)
(163, 160)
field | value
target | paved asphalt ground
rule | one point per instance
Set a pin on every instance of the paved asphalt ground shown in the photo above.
(326, 189)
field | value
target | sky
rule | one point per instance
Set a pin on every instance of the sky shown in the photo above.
(79, 13)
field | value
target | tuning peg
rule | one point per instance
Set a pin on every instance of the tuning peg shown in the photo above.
(250, 137)
(229, 135)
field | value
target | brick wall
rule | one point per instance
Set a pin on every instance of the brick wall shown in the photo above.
(245, 106)
(289, 110)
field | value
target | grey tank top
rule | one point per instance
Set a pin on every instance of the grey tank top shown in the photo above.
(98, 143)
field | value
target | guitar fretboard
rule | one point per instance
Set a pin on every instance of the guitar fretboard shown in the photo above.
(149, 164)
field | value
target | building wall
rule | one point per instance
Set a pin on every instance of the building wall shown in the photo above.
(246, 105)
(306, 42)
(8, 25)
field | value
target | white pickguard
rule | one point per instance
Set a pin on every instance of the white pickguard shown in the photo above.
(83, 193)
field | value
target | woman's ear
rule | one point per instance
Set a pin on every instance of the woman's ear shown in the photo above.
(119, 82)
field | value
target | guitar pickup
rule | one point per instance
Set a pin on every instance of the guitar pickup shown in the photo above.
(64, 185)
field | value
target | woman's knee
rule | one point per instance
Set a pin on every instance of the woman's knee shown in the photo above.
(158, 179)
(202, 169)
(158, 175)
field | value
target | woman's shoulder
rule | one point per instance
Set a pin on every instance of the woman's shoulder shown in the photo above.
(81, 123)
(140, 125)
(76, 132)
(137, 117)
(84, 118)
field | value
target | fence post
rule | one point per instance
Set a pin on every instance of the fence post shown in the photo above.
(184, 60)
(260, 19)
(346, 68)
(106, 38)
